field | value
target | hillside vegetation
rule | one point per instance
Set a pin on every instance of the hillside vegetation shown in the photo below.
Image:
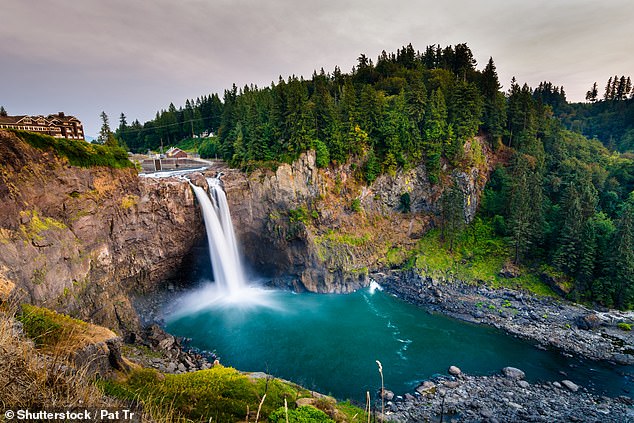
(78, 152)
(560, 203)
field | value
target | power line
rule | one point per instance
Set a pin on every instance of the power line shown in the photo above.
(130, 128)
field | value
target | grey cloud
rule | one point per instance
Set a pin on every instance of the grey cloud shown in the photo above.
(137, 56)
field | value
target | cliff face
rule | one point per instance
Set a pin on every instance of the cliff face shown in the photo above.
(322, 230)
(81, 240)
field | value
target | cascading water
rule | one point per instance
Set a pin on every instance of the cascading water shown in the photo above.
(216, 192)
(230, 285)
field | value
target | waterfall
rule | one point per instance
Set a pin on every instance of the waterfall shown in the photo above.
(223, 249)
(218, 194)
(230, 289)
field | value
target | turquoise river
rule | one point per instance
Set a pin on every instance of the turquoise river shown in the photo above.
(330, 343)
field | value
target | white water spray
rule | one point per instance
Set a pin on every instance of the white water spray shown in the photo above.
(223, 250)
(230, 287)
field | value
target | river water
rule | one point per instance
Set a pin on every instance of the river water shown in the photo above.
(330, 343)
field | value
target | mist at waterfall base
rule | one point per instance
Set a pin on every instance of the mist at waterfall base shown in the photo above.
(230, 287)
(329, 342)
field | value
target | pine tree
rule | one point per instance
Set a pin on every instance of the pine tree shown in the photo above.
(609, 94)
(579, 202)
(104, 132)
(591, 95)
(3, 111)
(621, 94)
(520, 208)
(614, 87)
(494, 108)
(624, 257)
(453, 218)
(465, 113)
(435, 134)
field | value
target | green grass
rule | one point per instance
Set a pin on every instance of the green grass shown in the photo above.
(221, 394)
(36, 225)
(78, 152)
(190, 145)
(53, 331)
(303, 414)
(337, 238)
(477, 258)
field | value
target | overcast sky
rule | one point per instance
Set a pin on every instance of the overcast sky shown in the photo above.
(135, 57)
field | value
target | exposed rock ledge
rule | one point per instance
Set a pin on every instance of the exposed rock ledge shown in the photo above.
(80, 240)
(551, 323)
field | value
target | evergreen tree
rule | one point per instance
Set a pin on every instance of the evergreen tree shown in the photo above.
(104, 132)
(453, 218)
(520, 208)
(620, 89)
(609, 94)
(623, 254)
(435, 134)
(3, 111)
(579, 204)
(465, 112)
(591, 95)
(494, 107)
(371, 167)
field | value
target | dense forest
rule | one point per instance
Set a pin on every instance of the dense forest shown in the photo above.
(563, 197)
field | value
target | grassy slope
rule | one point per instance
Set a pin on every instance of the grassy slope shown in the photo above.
(78, 152)
(34, 380)
(220, 393)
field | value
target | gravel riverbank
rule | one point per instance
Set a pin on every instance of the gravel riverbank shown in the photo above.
(506, 397)
(550, 322)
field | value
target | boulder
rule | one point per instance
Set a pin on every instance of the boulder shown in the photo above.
(510, 270)
(426, 387)
(588, 322)
(160, 339)
(513, 373)
(388, 395)
(454, 371)
(570, 385)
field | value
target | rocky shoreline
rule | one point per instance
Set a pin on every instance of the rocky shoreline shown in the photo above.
(504, 397)
(550, 322)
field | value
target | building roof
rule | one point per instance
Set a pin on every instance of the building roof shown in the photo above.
(11, 119)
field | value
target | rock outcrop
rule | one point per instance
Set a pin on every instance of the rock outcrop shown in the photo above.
(80, 240)
(323, 230)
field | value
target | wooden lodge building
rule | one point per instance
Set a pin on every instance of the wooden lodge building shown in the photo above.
(58, 126)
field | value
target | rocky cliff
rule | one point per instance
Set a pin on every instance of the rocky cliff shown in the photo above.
(323, 230)
(80, 240)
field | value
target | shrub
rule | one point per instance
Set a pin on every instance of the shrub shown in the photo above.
(322, 154)
(78, 152)
(405, 203)
(299, 214)
(303, 414)
(355, 206)
(624, 326)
